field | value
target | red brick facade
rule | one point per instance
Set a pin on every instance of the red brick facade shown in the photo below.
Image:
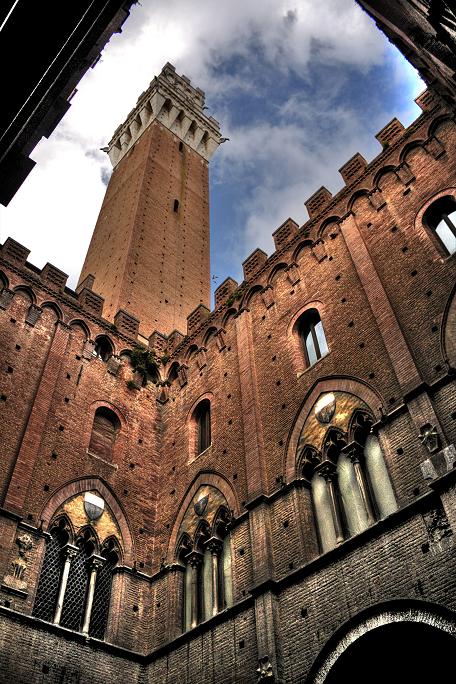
(384, 292)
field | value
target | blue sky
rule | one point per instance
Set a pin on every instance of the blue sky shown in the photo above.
(298, 88)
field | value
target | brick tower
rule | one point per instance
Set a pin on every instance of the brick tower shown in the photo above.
(149, 252)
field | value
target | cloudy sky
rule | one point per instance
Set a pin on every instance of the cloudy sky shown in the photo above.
(297, 86)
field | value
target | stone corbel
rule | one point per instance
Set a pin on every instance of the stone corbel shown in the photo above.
(33, 314)
(268, 296)
(434, 147)
(293, 274)
(113, 365)
(201, 359)
(404, 173)
(220, 339)
(87, 352)
(376, 199)
(319, 250)
(265, 669)
(6, 297)
(182, 375)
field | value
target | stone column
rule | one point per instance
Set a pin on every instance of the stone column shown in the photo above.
(215, 546)
(354, 451)
(328, 471)
(195, 560)
(94, 562)
(69, 551)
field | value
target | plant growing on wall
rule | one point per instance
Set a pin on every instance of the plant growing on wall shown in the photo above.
(145, 363)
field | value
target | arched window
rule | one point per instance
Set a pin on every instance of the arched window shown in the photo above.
(105, 427)
(103, 348)
(310, 330)
(207, 560)
(349, 481)
(202, 417)
(48, 586)
(74, 588)
(440, 218)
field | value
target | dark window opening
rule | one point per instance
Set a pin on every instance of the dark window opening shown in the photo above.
(103, 348)
(310, 329)
(176, 205)
(440, 218)
(203, 425)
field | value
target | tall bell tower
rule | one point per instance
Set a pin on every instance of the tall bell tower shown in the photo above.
(149, 251)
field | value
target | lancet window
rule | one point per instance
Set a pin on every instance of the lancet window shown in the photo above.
(202, 418)
(74, 588)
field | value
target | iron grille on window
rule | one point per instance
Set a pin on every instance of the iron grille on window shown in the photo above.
(100, 606)
(75, 593)
(48, 587)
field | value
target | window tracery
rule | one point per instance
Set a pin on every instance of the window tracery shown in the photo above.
(74, 587)
(343, 462)
(204, 549)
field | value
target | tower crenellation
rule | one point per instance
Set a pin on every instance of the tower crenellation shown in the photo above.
(177, 105)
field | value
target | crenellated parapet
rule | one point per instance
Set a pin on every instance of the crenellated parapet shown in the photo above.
(298, 248)
(176, 104)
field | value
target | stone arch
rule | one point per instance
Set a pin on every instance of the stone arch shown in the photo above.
(301, 247)
(384, 171)
(439, 121)
(4, 282)
(274, 271)
(362, 192)
(211, 479)
(410, 147)
(172, 371)
(256, 289)
(79, 323)
(228, 315)
(191, 351)
(346, 384)
(86, 484)
(25, 289)
(448, 330)
(54, 307)
(210, 332)
(395, 612)
(326, 223)
(104, 338)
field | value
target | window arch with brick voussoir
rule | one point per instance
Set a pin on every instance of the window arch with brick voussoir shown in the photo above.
(342, 460)
(440, 220)
(204, 548)
(82, 549)
(309, 340)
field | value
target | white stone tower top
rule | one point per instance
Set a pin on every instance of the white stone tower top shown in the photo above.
(177, 105)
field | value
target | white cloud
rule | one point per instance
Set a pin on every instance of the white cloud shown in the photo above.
(56, 209)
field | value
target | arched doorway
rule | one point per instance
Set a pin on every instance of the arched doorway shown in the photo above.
(396, 653)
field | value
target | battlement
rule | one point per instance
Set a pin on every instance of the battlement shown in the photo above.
(177, 105)
(324, 209)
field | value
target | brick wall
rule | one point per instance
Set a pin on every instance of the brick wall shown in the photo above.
(382, 307)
